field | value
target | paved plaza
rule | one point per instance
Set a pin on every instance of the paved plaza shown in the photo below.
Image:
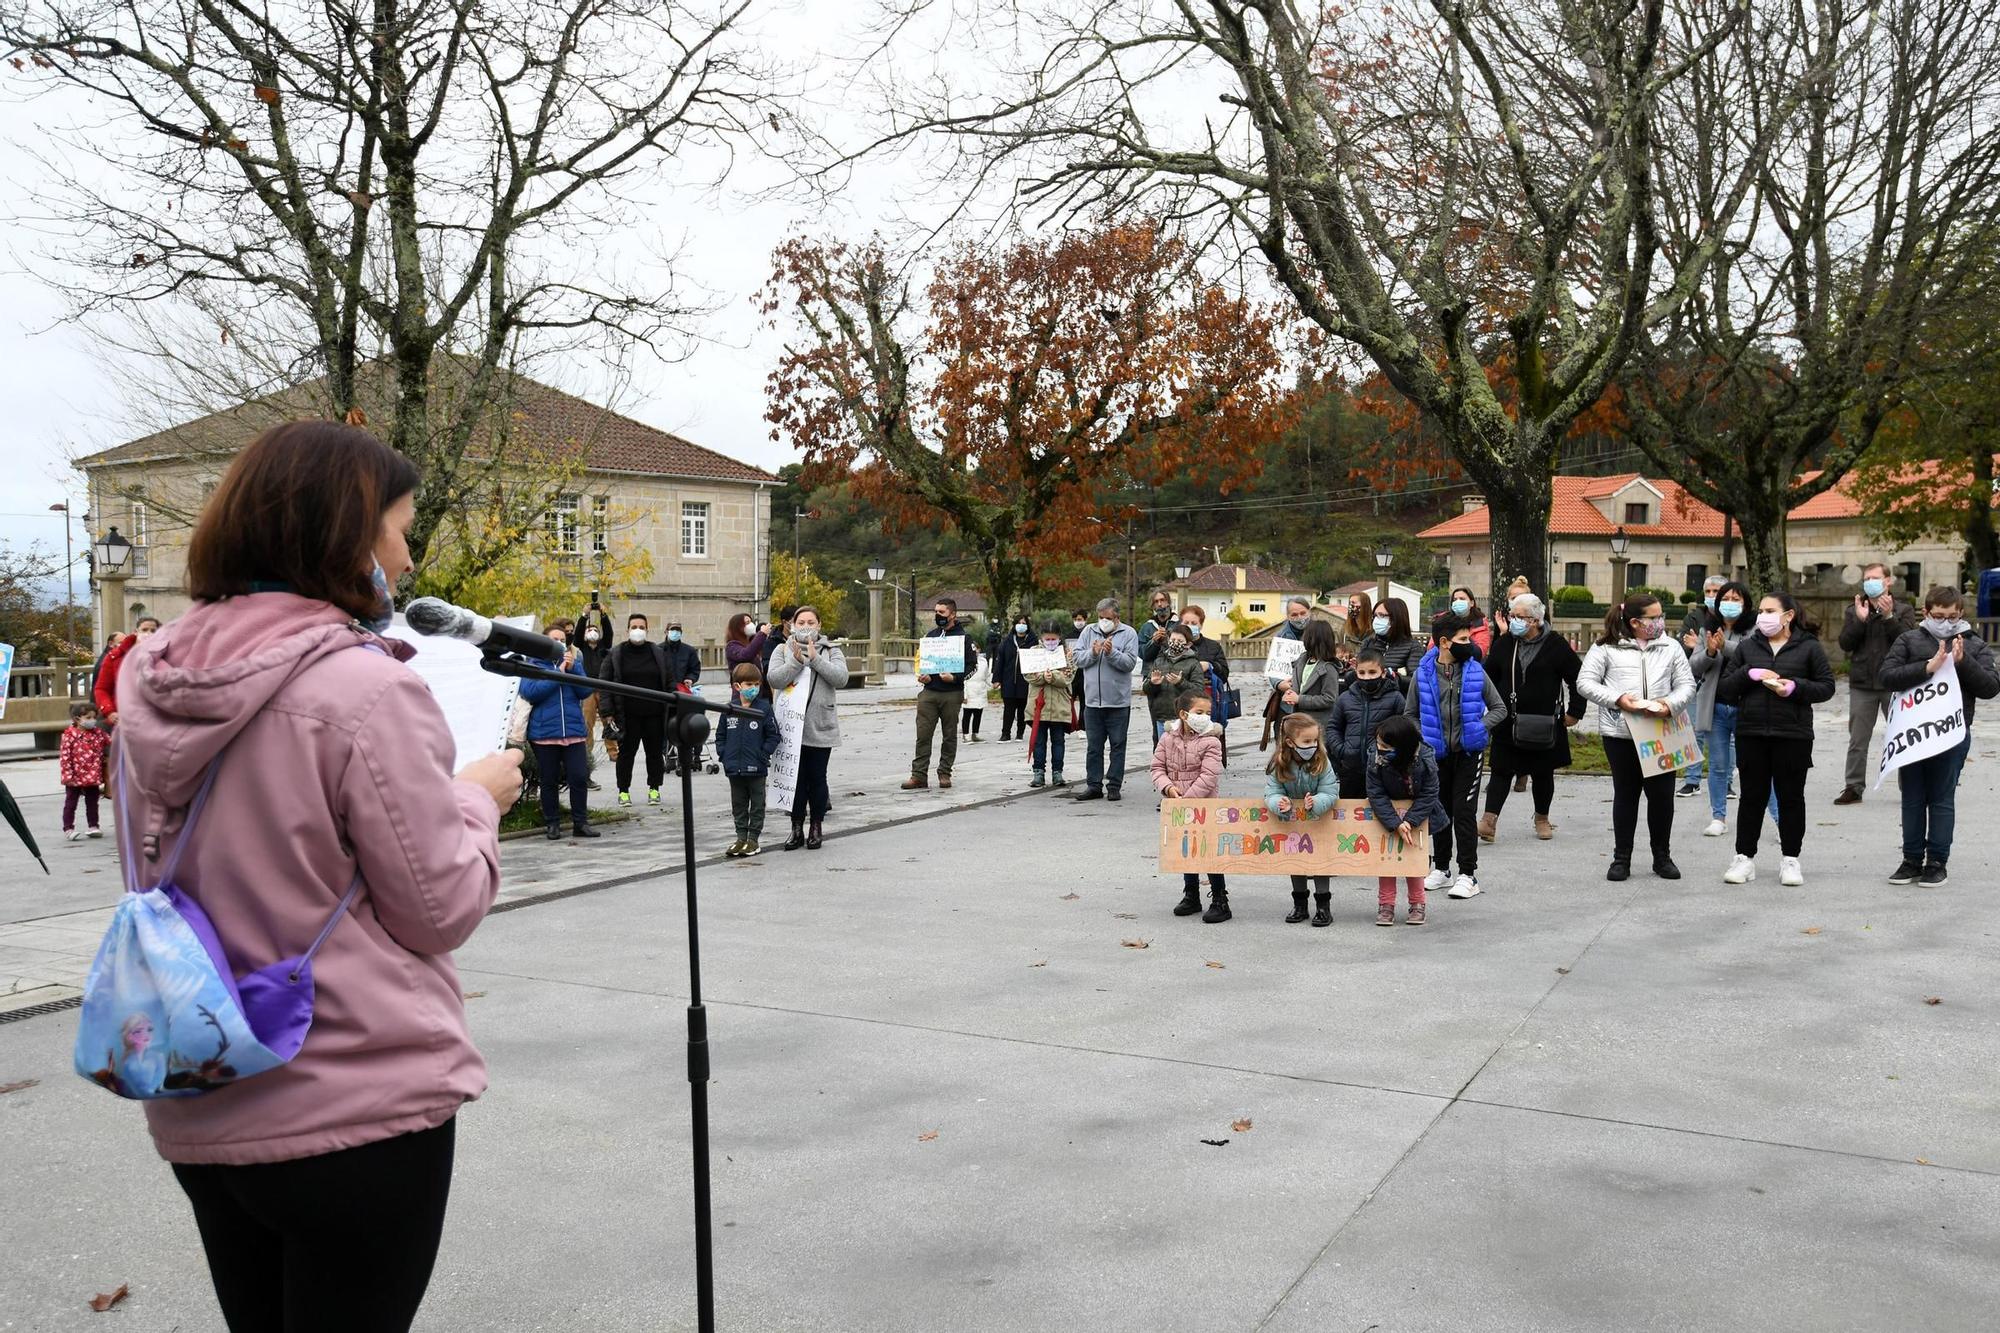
(949, 1094)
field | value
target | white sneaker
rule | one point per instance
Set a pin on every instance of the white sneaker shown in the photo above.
(1716, 828)
(1464, 887)
(95, 833)
(1436, 880)
(74, 836)
(1741, 871)
(1789, 873)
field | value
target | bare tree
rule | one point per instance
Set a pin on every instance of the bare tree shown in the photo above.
(1866, 243)
(1458, 191)
(409, 191)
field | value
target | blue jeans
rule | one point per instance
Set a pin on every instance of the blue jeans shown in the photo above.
(1720, 742)
(1050, 737)
(1100, 725)
(1930, 797)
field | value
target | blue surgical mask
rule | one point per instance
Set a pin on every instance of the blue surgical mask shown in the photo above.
(1871, 587)
(1730, 610)
(1460, 605)
(1708, 602)
(385, 601)
(1381, 625)
(1194, 630)
(673, 636)
(1516, 626)
(749, 693)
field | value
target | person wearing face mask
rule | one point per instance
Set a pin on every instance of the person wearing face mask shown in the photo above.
(594, 642)
(1187, 765)
(1466, 607)
(556, 739)
(1298, 615)
(744, 641)
(1389, 634)
(1868, 629)
(1536, 669)
(1299, 783)
(1780, 671)
(1715, 644)
(1358, 714)
(1153, 633)
(1315, 683)
(1051, 709)
(105, 691)
(1174, 677)
(1402, 768)
(940, 700)
(80, 765)
(1107, 652)
(808, 650)
(642, 723)
(1930, 786)
(1634, 667)
(1457, 709)
(1214, 673)
(1698, 617)
(776, 637)
(1359, 622)
(1007, 675)
(745, 746)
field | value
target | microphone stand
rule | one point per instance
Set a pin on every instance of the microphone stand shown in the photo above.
(690, 722)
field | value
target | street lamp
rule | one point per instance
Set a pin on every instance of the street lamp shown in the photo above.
(1384, 558)
(875, 576)
(1619, 541)
(112, 554)
(69, 570)
(1181, 573)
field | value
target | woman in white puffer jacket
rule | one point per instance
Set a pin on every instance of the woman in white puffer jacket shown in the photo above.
(1636, 667)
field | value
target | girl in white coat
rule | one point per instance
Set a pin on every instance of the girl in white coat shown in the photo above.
(1636, 667)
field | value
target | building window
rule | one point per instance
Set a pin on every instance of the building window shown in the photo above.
(138, 521)
(1576, 574)
(562, 525)
(600, 524)
(1911, 573)
(694, 529)
(1697, 575)
(1637, 511)
(1256, 608)
(1635, 574)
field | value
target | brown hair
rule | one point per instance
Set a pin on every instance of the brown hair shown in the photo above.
(1290, 732)
(302, 506)
(747, 673)
(739, 627)
(1618, 620)
(1360, 620)
(1946, 596)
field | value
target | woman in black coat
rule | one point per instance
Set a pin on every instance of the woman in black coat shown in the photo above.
(1534, 668)
(1401, 650)
(1775, 677)
(1007, 675)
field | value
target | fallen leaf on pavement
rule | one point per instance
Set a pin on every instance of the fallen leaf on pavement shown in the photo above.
(1126, 916)
(1137, 944)
(1241, 1126)
(1215, 1143)
(1043, 963)
(1562, 971)
(1810, 930)
(927, 1136)
(474, 994)
(24, 1084)
(1212, 963)
(1933, 999)
(105, 1300)
(1071, 897)
(1923, 1161)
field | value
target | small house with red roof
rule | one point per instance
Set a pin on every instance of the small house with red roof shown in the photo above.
(1260, 594)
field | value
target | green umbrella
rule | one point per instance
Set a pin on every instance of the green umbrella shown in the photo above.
(13, 814)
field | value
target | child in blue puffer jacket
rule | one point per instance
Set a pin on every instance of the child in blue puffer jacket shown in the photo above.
(560, 743)
(1301, 784)
(745, 746)
(1402, 768)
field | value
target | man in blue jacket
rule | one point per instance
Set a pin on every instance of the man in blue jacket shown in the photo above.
(1107, 653)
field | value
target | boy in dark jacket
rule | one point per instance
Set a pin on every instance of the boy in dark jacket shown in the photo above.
(1358, 714)
(1870, 626)
(1402, 768)
(1930, 786)
(745, 747)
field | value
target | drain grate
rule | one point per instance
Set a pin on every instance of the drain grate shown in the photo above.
(37, 1010)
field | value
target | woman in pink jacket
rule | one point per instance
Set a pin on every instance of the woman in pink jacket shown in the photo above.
(1187, 765)
(320, 1186)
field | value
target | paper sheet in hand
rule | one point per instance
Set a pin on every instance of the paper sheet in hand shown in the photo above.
(944, 656)
(1034, 660)
(1284, 652)
(476, 703)
(6, 670)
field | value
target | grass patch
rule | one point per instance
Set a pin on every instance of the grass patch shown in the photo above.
(528, 815)
(1586, 753)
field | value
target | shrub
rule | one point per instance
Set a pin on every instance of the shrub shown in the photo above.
(1571, 595)
(1664, 597)
(1690, 597)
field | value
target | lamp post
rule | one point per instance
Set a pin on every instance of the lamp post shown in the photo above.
(1619, 541)
(875, 575)
(1384, 558)
(1131, 576)
(112, 555)
(69, 572)
(1181, 573)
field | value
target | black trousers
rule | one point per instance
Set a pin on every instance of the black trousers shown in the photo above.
(811, 796)
(1764, 762)
(968, 718)
(1353, 783)
(1458, 788)
(564, 765)
(650, 732)
(1541, 781)
(339, 1243)
(1628, 782)
(1013, 717)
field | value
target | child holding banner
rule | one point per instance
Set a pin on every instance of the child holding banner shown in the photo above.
(1301, 784)
(1187, 765)
(1402, 768)
(1636, 670)
(1780, 671)
(1930, 783)
(1051, 703)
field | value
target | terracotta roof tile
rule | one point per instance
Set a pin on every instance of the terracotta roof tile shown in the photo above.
(1573, 515)
(1222, 578)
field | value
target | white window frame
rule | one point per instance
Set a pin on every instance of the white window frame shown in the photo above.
(600, 524)
(1257, 608)
(562, 525)
(695, 519)
(136, 517)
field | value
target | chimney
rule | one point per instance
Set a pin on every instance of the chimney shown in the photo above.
(1242, 578)
(1472, 502)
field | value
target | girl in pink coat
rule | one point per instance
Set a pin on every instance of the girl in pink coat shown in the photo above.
(1187, 765)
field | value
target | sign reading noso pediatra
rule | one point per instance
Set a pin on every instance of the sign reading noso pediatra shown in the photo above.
(1245, 838)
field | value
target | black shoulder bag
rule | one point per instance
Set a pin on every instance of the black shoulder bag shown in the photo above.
(1530, 733)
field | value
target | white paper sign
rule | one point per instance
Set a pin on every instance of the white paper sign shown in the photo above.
(476, 703)
(945, 656)
(1284, 652)
(6, 670)
(1034, 660)
(790, 706)
(1924, 720)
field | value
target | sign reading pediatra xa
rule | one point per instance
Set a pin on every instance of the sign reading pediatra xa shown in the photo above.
(1245, 838)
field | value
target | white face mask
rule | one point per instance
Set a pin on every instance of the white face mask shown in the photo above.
(636, 635)
(1051, 644)
(592, 637)
(1105, 624)
(1199, 723)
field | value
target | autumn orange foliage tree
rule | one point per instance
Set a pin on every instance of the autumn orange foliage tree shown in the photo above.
(1047, 378)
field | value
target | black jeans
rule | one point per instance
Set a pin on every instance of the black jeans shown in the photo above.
(341, 1243)
(1541, 780)
(1458, 788)
(560, 766)
(1353, 782)
(1764, 762)
(650, 732)
(1013, 717)
(1628, 781)
(968, 719)
(811, 795)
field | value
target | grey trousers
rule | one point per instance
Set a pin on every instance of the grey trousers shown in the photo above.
(1864, 709)
(934, 707)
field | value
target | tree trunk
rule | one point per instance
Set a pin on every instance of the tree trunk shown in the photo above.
(1982, 542)
(1764, 564)
(1518, 521)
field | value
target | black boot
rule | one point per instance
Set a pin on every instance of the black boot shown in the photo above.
(555, 830)
(1664, 867)
(1218, 906)
(1620, 868)
(813, 838)
(798, 838)
(1298, 907)
(1190, 902)
(1323, 907)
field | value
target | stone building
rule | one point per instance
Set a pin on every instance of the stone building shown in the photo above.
(1674, 541)
(703, 518)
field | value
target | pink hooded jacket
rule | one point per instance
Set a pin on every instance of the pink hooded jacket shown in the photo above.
(333, 758)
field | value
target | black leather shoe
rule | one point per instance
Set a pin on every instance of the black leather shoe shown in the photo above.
(1089, 794)
(1113, 795)
(1298, 910)
(813, 838)
(1323, 908)
(798, 838)
(555, 833)
(585, 831)
(1621, 869)
(1190, 902)
(1664, 867)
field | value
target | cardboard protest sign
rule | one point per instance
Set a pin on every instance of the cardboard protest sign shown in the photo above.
(1924, 720)
(1243, 837)
(945, 656)
(1035, 660)
(1666, 744)
(1284, 652)
(790, 706)
(6, 670)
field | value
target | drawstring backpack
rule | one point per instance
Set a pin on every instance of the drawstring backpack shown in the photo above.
(163, 1015)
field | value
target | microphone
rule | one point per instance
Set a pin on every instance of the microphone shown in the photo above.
(433, 616)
